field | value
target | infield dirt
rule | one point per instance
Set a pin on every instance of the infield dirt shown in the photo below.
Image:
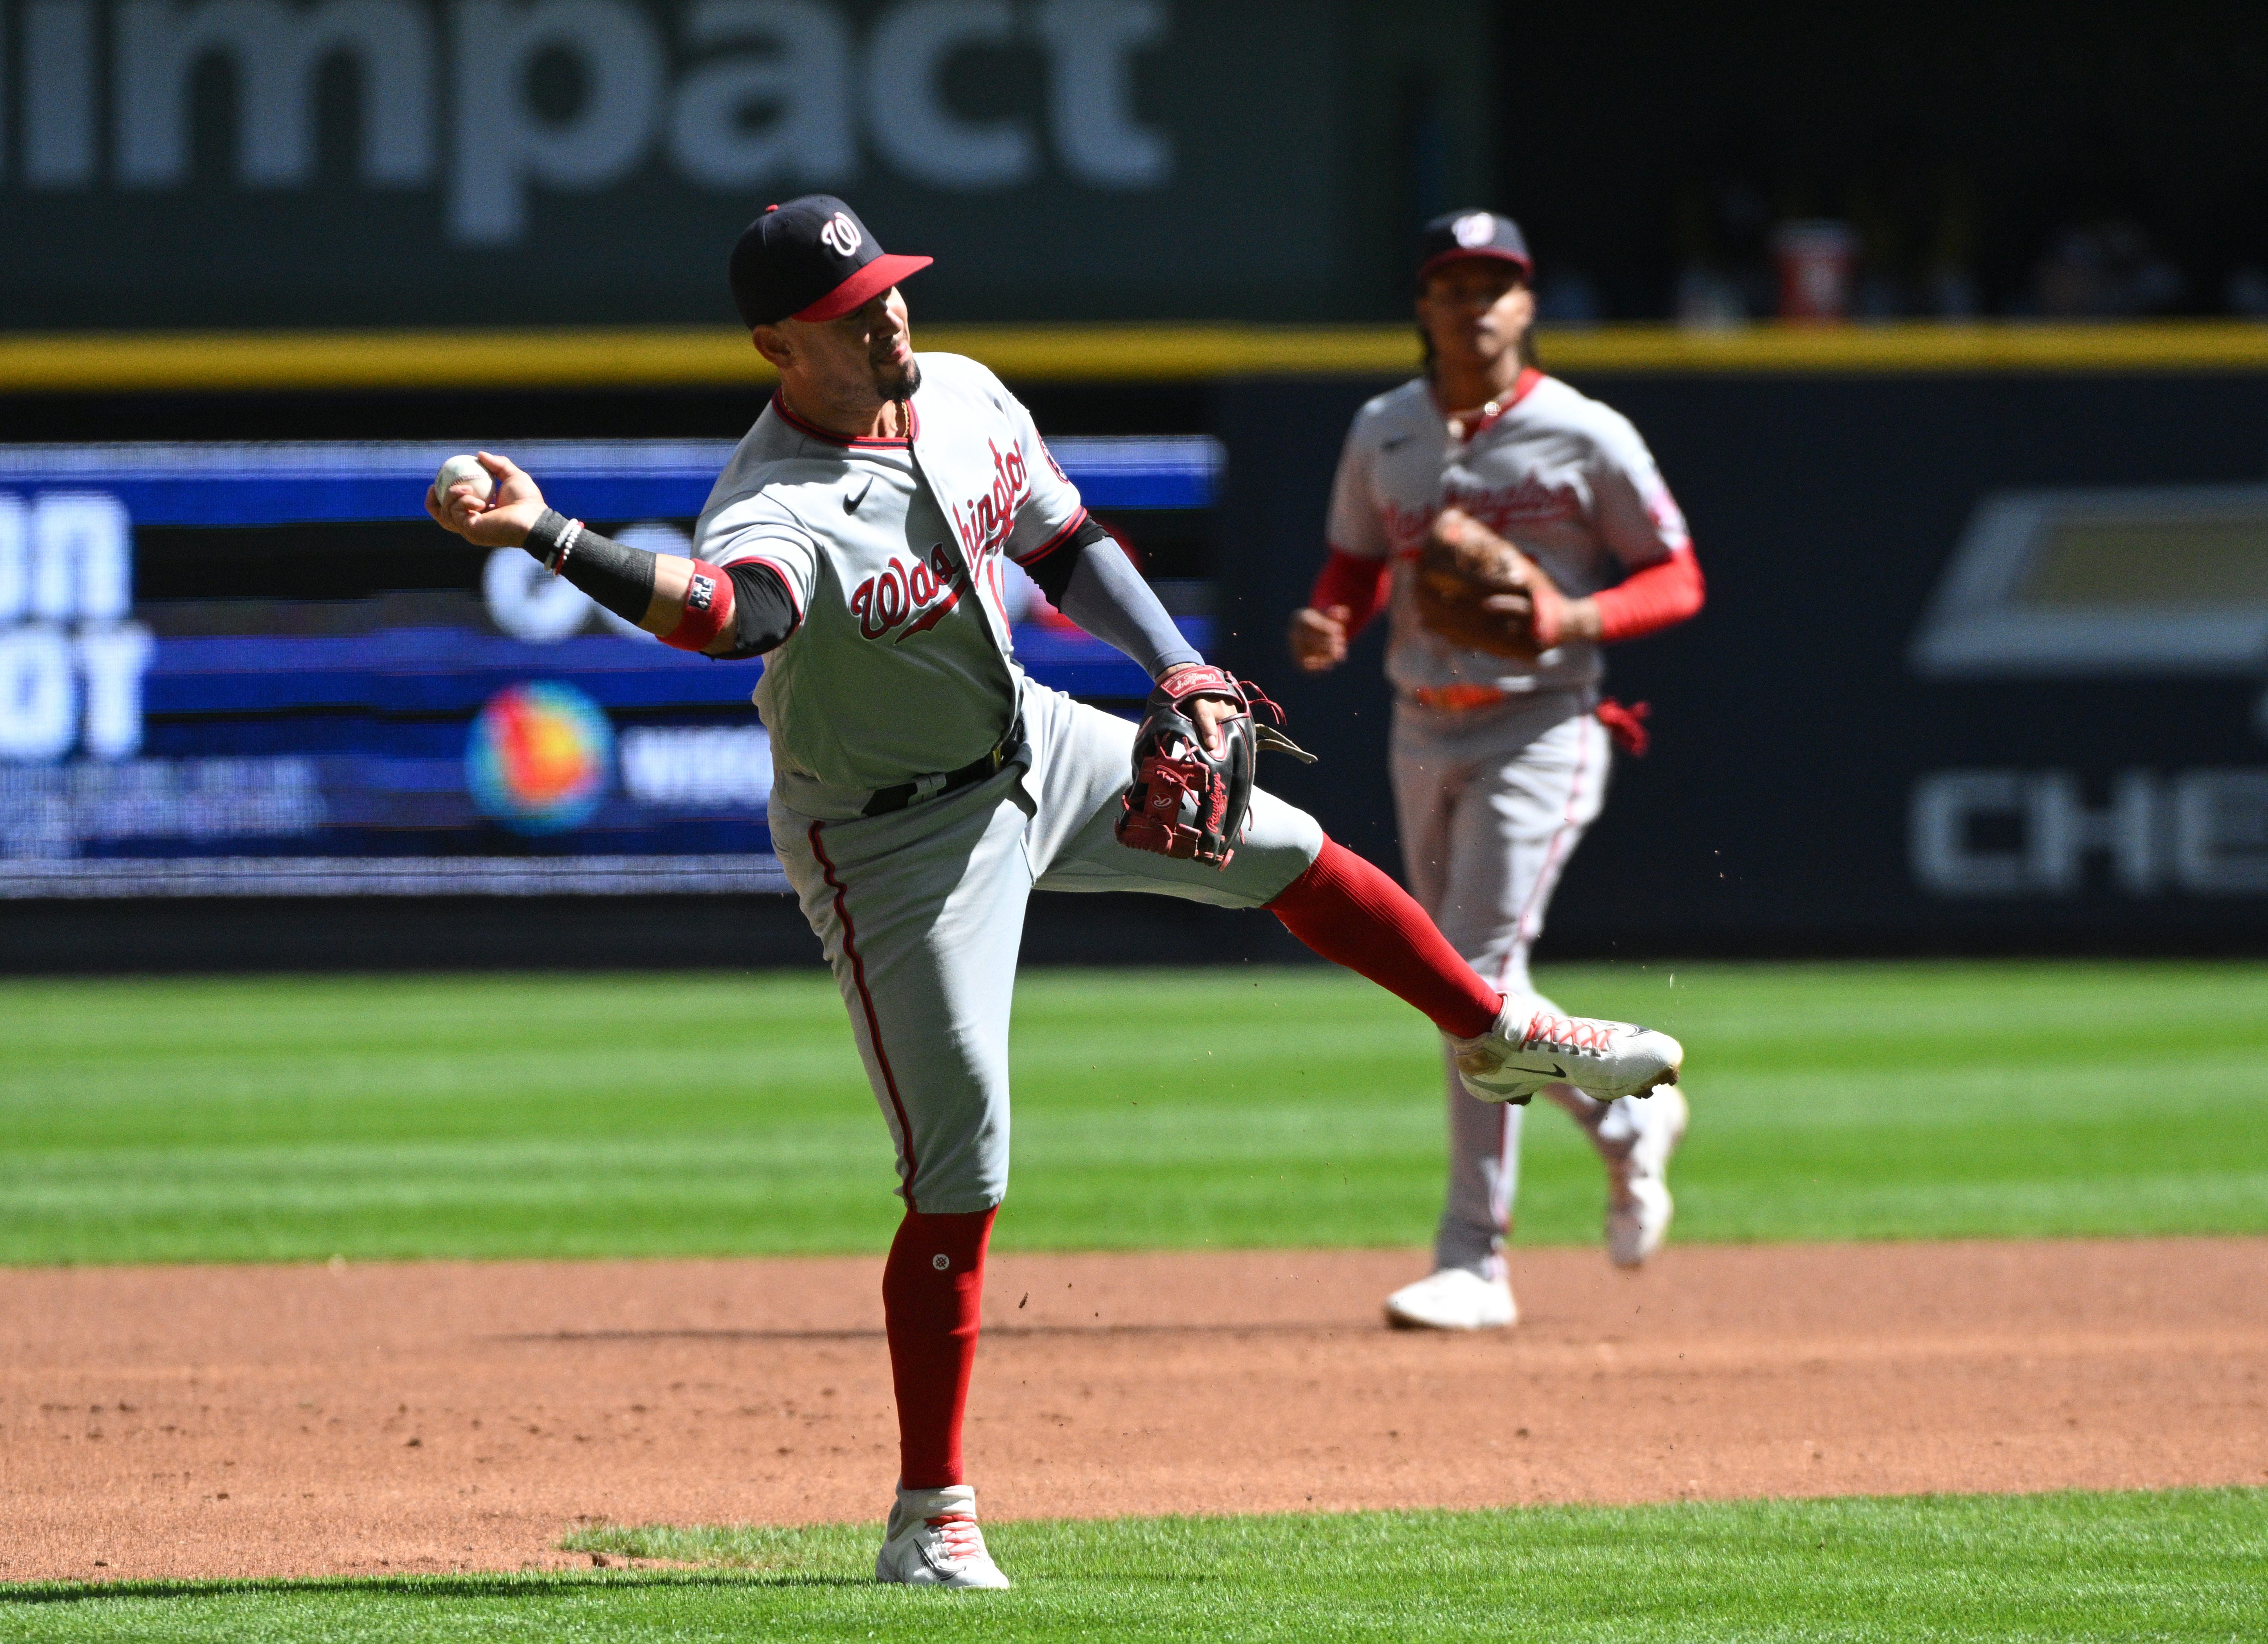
(210, 1422)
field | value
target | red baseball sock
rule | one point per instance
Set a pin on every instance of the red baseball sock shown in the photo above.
(1355, 916)
(930, 1290)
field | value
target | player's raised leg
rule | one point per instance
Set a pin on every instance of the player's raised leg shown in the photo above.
(1340, 905)
(1330, 898)
(921, 914)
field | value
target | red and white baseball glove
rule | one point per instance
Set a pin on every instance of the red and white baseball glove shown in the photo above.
(1187, 800)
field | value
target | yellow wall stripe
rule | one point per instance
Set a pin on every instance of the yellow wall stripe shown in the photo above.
(690, 356)
(2155, 346)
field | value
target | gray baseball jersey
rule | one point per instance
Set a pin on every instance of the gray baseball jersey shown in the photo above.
(1562, 476)
(902, 664)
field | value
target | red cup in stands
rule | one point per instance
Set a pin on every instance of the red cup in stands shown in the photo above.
(1817, 258)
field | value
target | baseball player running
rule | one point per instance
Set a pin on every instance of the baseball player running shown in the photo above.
(925, 786)
(1500, 755)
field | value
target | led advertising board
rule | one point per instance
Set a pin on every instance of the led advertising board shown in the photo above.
(262, 670)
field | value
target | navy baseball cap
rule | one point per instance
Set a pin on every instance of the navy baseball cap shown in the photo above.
(810, 259)
(1457, 235)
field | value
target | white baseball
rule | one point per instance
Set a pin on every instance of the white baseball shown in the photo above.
(456, 471)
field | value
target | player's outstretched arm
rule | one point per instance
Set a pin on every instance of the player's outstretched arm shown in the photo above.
(692, 606)
(1090, 579)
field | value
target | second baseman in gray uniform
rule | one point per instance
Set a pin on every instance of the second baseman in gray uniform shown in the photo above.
(926, 787)
(1498, 765)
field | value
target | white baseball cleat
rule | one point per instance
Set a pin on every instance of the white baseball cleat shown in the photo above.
(1638, 1205)
(931, 1540)
(1529, 1048)
(1454, 1298)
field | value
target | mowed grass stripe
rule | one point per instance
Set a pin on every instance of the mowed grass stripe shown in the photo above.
(296, 1118)
(2179, 1564)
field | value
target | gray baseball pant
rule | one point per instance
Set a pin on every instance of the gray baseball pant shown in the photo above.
(1491, 803)
(921, 912)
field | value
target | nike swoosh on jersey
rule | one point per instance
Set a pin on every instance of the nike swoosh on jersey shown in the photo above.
(1395, 444)
(850, 504)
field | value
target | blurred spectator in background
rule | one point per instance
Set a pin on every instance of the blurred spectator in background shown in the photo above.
(2248, 292)
(2107, 269)
(1763, 227)
(1724, 215)
(1761, 231)
(1813, 261)
(2102, 257)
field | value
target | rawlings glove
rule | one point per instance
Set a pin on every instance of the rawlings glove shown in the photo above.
(1477, 591)
(1187, 800)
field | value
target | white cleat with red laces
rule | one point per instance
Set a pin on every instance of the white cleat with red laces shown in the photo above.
(1530, 1048)
(931, 1540)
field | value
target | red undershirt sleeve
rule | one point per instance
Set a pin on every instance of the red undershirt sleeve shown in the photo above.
(1648, 600)
(1353, 581)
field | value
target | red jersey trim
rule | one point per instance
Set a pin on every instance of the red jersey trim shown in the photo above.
(813, 431)
(1053, 543)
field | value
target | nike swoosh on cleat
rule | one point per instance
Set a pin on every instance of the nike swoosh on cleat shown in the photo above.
(850, 504)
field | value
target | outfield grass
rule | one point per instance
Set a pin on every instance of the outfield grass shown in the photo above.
(491, 1115)
(2177, 1564)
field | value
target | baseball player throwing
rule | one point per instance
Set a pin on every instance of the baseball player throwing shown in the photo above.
(925, 786)
(1511, 527)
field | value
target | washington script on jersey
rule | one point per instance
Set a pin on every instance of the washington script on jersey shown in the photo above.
(991, 516)
(1531, 502)
(982, 523)
(926, 590)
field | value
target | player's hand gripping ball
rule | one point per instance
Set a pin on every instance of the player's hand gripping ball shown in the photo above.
(464, 469)
(1187, 799)
(1477, 591)
(486, 499)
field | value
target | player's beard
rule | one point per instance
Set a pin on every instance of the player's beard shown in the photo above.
(893, 381)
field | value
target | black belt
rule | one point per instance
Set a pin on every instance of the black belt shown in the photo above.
(985, 764)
